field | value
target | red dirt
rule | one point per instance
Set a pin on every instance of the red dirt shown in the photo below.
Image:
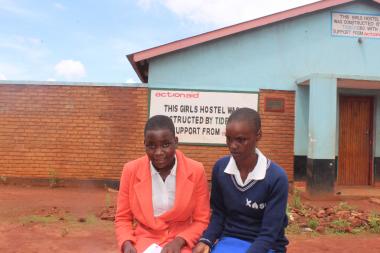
(369, 243)
(19, 235)
(77, 229)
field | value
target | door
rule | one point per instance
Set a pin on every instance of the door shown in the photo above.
(355, 140)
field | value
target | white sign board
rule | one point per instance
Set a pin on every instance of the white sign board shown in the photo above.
(199, 116)
(355, 25)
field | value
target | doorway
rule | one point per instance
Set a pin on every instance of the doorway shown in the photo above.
(355, 166)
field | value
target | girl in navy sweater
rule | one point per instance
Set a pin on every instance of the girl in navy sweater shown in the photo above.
(249, 195)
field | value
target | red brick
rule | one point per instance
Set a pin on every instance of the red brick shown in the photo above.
(88, 132)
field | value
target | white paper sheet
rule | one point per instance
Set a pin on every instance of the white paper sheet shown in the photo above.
(154, 248)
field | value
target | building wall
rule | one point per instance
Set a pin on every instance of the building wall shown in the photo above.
(89, 132)
(301, 138)
(301, 149)
(273, 57)
(81, 132)
(277, 142)
(376, 127)
(205, 154)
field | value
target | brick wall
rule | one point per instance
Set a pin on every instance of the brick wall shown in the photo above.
(89, 132)
(205, 154)
(82, 132)
(277, 142)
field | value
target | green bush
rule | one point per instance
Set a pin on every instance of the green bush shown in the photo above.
(374, 222)
(313, 223)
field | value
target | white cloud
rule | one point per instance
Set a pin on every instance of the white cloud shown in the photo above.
(131, 80)
(70, 69)
(11, 7)
(123, 45)
(224, 12)
(11, 71)
(145, 4)
(59, 6)
(30, 47)
(2, 77)
(51, 80)
(19, 42)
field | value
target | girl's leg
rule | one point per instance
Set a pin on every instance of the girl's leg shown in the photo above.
(232, 245)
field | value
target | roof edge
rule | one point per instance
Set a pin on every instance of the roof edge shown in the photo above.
(134, 58)
(143, 78)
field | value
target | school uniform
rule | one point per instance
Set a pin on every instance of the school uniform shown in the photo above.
(248, 216)
(187, 217)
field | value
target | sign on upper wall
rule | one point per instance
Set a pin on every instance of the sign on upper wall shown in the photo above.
(199, 116)
(355, 25)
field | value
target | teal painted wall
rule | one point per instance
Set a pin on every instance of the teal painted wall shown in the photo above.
(322, 118)
(301, 121)
(274, 57)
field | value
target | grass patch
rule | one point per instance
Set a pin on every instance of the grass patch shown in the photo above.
(339, 226)
(374, 222)
(313, 223)
(296, 201)
(91, 219)
(344, 206)
(108, 200)
(38, 219)
(68, 219)
(294, 229)
(358, 230)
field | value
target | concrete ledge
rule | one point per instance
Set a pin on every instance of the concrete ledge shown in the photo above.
(61, 83)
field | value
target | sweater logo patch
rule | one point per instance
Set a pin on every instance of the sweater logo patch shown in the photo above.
(254, 205)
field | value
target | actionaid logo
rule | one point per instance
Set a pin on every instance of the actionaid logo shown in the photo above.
(177, 94)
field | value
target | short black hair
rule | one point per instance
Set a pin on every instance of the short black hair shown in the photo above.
(159, 122)
(246, 114)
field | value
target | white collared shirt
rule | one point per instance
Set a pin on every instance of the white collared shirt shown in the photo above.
(163, 193)
(258, 173)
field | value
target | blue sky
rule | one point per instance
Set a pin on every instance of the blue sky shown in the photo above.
(86, 41)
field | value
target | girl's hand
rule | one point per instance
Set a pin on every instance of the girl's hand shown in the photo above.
(201, 248)
(174, 246)
(128, 247)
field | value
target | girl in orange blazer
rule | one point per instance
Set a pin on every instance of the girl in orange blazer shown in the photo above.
(178, 227)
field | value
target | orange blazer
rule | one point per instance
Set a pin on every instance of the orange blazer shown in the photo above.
(188, 218)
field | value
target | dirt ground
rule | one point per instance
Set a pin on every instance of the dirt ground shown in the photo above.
(60, 220)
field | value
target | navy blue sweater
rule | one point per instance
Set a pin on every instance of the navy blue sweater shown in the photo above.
(255, 213)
